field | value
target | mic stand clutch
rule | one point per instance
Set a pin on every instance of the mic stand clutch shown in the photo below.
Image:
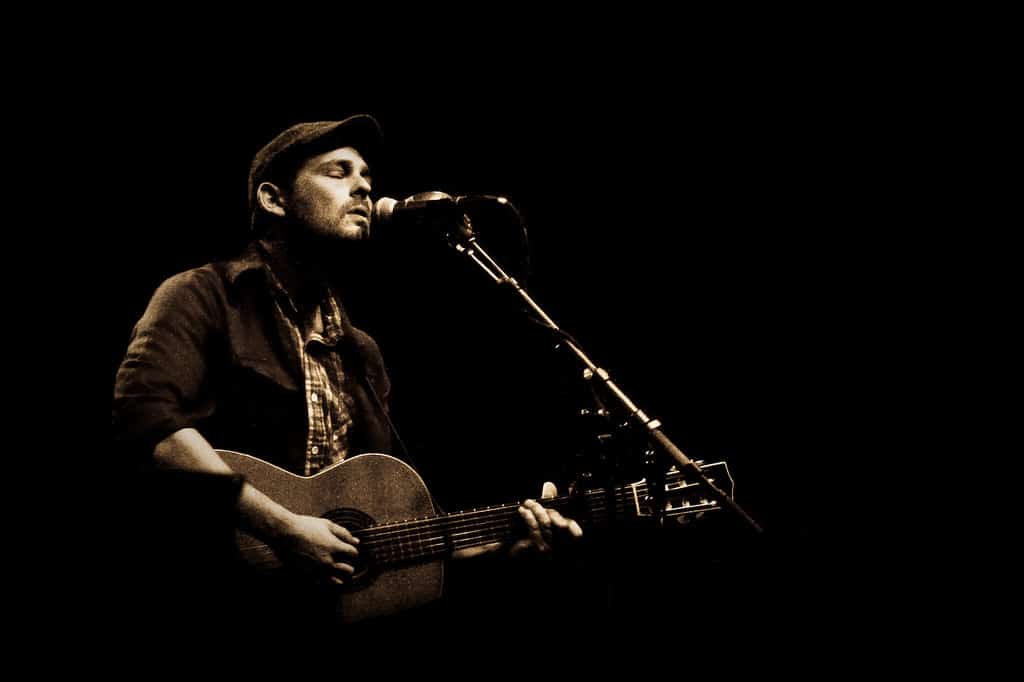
(464, 241)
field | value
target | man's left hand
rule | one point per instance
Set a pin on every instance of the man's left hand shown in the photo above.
(545, 525)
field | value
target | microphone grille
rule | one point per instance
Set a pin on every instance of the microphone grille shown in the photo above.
(383, 208)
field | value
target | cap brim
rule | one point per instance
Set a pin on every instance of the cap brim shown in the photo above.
(360, 131)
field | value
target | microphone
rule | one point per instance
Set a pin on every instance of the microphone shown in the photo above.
(424, 213)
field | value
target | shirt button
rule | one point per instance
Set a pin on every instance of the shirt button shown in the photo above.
(315, 398)
(314, 450)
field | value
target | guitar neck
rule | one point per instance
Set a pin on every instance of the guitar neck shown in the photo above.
(441, 536)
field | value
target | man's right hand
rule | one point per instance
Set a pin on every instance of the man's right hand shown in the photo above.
(318, 546)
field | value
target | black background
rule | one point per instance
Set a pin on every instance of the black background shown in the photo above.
(701, 227)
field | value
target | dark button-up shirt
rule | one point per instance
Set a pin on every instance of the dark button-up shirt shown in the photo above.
(224, 349)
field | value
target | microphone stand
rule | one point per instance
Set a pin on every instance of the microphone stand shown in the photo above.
(464, 241)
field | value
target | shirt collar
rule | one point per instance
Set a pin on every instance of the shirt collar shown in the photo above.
(251, 259)
(316, 306)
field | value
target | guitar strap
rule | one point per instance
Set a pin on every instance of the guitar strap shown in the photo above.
(391, 425)
(352, 357)
(406, 455)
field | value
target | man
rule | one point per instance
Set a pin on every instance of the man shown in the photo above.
(257, 354)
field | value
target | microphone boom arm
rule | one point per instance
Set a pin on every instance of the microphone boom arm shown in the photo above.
(469, 247)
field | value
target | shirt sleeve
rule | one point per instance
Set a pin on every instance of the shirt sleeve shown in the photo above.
(162, 382)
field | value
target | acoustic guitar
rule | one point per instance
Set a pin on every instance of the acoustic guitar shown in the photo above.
(403, 539)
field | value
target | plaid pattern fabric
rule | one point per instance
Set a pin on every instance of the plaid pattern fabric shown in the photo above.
(317, 332)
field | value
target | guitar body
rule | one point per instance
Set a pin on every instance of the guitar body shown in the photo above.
(363, 491)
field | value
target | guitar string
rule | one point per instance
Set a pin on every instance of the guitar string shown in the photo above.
(621, 494)
(459, 519)
(419, 536)
(412, 526)
(420, 550)
(423, 540)
(456, 517)
(598, 515)
(451, 522)
(413, 531)
(436, 546)
(425, 544)
(476, 533)
(454, 525)
(459, 537)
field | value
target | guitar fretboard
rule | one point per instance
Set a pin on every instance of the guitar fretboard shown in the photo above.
(440, 536)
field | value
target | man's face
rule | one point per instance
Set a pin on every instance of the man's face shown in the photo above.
(330, 196)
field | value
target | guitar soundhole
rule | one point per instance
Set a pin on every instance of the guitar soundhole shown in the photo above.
(355, 520)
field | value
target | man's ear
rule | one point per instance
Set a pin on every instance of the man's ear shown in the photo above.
(271, 199)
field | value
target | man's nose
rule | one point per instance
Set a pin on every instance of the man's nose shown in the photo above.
(362, 187)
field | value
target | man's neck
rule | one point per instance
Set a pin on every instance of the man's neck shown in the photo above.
(307, 265)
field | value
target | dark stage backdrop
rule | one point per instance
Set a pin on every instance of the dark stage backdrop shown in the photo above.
(697, 248)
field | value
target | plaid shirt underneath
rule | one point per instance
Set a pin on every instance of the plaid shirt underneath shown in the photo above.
(317, 331)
